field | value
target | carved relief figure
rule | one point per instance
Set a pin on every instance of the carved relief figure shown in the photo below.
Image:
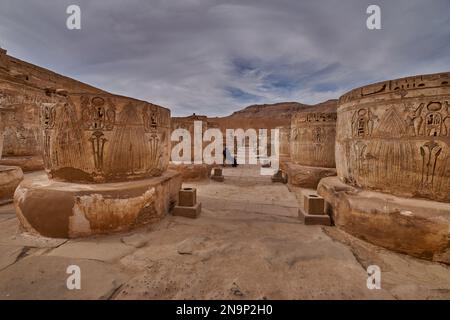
(432, 120)
(391, 125)
(47, 116)
(430, 152)
(363, 122)
(69, 151)
(151, 118)
(318, 134)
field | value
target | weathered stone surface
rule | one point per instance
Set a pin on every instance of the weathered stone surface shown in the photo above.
(394, 137)
(217, 175)
(307, 177)
(10, 177)
(284, 140)
(314, 219)
(44, 277)
(192, 172)
(62, 209)
(416, 227)
(19, 109)
(102, 249)
(135, 240)
(313, 204)
(104, 138)
(9, 255)
(187, 197)
(188, 212)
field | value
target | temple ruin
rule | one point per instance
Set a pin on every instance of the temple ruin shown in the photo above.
(90, 176)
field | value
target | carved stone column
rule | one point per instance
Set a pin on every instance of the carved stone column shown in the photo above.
(393, 165)
(312, 142)
(106, 158)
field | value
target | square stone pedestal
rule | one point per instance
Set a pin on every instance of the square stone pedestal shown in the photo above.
(279, 177)
(188, 212)
(187, 204)
(413, 226)
(217, 175)
(313, 211)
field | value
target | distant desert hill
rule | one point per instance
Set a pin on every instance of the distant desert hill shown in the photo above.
(283, 109)
(270, 115)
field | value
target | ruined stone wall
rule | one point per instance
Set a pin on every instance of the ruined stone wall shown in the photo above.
(20, 118)
(23, 88)
(102, 138)
(312, 139)
(394, 136)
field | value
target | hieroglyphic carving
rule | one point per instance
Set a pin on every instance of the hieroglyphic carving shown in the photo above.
(394, 143)
(48, 118)
(390, 125)
(430, 152)
(312, 139)
(98, 141)
(363, 122)
(318, 135)
(399, 87)
(98, 116)
(432, 119)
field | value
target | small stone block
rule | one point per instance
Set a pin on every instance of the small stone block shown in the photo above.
(314, 204)
(217, 172)
(217, 178)
(187, 197)
(314, 219)
(188, 212)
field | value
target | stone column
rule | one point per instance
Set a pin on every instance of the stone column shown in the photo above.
(19, 105)
(393, 165)
(312, 142)
(106, 158)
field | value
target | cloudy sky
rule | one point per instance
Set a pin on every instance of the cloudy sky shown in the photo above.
(214, 57)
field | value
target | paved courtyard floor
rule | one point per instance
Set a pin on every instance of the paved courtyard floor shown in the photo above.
(248, 243)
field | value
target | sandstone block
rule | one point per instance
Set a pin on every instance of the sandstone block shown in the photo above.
(187, 197)
(313, 204)
(188, 212)
(412, 226)
(307, 177)
(69, 210)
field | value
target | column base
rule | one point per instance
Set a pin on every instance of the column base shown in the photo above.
(69, 210)
(415, 227)
(26, 163)
(188, 212)
(314, 219)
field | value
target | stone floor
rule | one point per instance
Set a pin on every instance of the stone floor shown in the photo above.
(247, 244)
